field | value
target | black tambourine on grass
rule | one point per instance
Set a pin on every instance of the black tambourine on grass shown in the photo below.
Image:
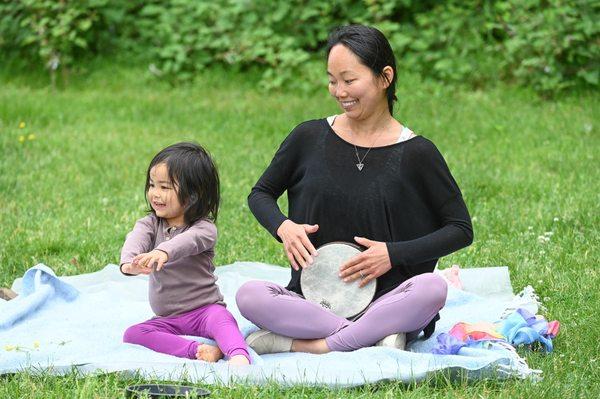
(164, 391)
(322, 285)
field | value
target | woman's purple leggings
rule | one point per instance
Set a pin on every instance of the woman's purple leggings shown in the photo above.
(162, 334)
(407, 308)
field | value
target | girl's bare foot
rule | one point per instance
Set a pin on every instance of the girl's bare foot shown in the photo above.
(208, 353)
(238, 360)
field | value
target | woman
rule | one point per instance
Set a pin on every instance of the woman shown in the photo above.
(360, 176)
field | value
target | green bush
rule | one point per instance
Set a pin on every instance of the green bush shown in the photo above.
(55, 32)
(550, 45)
(454, 41)
(11, 32)
(188, 35)
(59, 34)
(553, 44)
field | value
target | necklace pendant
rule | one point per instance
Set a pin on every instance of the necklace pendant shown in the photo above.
(360, 166)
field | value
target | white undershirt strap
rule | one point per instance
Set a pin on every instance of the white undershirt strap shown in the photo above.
(405, 134)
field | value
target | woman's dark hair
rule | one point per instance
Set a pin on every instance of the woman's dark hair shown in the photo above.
(372, 49)
(195, 178)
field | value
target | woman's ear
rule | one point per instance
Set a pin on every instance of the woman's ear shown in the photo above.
(387, 75)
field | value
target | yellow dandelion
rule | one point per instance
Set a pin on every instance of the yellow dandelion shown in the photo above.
(21, 125)
(31, 137)
(21, 138)
(36, 344)
(9, 348)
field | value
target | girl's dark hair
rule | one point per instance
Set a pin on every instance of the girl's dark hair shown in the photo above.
(195, 178)
(372, 49)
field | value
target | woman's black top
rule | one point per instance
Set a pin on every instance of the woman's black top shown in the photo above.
(404, 196)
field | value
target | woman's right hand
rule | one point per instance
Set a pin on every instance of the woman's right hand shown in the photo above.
(298, 248)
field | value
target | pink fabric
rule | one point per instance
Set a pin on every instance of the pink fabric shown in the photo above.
(475, 331)
(553, 328)
(519, 328)
(451, 275)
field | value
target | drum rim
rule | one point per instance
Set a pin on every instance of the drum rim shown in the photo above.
(361, 249)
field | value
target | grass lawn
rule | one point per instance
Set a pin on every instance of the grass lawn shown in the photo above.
(71, 187)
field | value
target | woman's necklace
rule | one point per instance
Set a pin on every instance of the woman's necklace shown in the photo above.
(360, 165)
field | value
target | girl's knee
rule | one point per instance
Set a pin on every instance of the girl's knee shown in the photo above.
(131, 335)
(219, 314)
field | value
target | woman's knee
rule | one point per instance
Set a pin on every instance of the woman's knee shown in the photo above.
(250, 296)
(435, 287)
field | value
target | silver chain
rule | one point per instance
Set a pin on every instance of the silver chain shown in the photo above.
(360, 165)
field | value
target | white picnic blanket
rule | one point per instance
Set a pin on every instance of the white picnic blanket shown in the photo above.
(56, 324)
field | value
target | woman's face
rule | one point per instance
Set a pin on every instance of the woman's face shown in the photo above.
(358, 91)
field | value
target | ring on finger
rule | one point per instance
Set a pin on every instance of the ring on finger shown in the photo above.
(361, 274)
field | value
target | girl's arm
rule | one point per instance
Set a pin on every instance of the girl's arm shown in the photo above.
(139, 240)
(200, 237)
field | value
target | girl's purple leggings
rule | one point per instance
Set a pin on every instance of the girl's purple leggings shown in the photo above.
(162, 334)
(407, 308)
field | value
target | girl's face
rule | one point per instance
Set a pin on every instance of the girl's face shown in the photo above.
(162, 196)
(358, 91)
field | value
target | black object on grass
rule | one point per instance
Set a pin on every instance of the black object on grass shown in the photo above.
(164, 391)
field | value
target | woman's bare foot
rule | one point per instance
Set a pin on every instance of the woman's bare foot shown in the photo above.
(238, 360)
(208, 353)
(316, 346)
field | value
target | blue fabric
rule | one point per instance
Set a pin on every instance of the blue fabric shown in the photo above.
(40, 288)
(448, 345)
(61, 330)
(523, 328)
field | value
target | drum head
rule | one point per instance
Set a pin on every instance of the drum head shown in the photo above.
(322, 285)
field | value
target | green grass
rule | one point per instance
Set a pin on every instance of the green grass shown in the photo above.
(527, 167)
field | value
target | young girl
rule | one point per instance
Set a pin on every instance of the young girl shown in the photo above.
(174, 245)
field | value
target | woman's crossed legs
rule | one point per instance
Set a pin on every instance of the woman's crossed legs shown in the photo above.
(406, 309)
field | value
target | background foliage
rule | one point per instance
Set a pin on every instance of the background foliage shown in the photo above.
(551, 45)
(72, 161)
(72, 169)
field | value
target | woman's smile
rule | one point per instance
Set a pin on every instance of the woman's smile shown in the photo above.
(347, 105)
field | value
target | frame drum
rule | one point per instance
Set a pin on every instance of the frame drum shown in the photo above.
(321, 284)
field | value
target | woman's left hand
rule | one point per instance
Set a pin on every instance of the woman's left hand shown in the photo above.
(369, 264)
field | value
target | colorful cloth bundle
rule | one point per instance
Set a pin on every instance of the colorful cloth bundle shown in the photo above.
(519, 328)
(525, 328)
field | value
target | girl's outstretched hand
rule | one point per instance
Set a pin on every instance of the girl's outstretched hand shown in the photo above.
(147, 260)
(129, 268)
